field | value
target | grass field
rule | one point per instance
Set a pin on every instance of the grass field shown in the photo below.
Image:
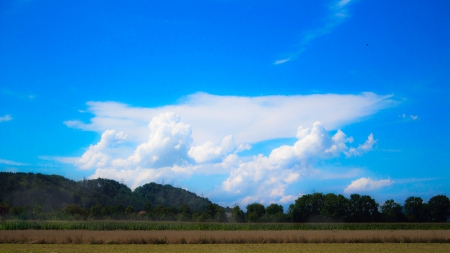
(221, 237)
(324, 247)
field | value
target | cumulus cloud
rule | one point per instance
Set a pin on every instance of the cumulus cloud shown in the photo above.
(169, 154)
(366, 184)
(167, 145)
(269, 176)
(247, 119)
(7, 117)
(141, 145)
(367, 146)
(208, 152)
(98, 155)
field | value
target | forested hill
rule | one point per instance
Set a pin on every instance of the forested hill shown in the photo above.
(50, 191)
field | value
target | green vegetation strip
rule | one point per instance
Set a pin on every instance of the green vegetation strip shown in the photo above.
(145, 225)
(324, 247)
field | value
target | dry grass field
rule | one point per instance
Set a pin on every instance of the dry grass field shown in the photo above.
(293, 247)
(221, 237)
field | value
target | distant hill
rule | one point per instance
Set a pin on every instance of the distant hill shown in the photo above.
(49, 191)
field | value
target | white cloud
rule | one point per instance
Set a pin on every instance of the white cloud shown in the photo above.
(9, 162)
(277, 62)
(97, 155)
(410, 118)
(7, 117)
(365, 184)
(343, 3)
(60, 159)
(170, 149)
(414, 117)
(247, 119)
(367, 146)
(289, 198)
(337, 14)
(208, 152)
(269, 176)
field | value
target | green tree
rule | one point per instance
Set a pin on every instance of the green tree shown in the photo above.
(392, 212)
(129, 210)
(95, 211)
(220, 215)
(184, 213)
(76, 211)
(211, 210)
(148, 207)
(274, 209)
(439, 207)
(4, 209)
(334, 207)
(362, 209)
(307, 208)
(415, 209)
(255, 212)
(237, 215)
(274, 213)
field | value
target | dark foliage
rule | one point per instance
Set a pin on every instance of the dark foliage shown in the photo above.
(30, 194)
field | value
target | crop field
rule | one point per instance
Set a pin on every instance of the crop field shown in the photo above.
(324, 247)
(221, 237)
(151, 225)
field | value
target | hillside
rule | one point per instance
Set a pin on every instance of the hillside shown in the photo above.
(50, 191)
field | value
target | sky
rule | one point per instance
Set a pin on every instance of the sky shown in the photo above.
(236, 101)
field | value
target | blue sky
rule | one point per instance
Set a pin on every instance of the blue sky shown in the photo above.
(241, 101)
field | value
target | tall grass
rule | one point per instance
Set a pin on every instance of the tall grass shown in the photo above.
(148, 225)
(222, 237)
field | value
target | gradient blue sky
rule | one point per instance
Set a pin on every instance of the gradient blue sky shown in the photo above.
(240, 101)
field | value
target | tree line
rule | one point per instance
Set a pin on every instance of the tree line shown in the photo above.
(316, 207)
(319, 207)
(38, 196)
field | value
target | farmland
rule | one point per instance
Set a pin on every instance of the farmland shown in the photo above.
(151, 225)
(334, 247)
(222, 237)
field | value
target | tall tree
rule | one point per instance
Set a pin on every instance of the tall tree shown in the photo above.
(362, 209)
(415, 209)
(255, 212)
(334, 207)
(392, 212)
(237, 215)
(439, 207)
(306, 208)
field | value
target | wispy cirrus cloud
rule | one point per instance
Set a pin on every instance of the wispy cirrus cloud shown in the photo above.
(60, 159)
(338, 13)
(13, 163)
(7, 117)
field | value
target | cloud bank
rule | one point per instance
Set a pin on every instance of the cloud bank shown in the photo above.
(205, 135)
(246, 119)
